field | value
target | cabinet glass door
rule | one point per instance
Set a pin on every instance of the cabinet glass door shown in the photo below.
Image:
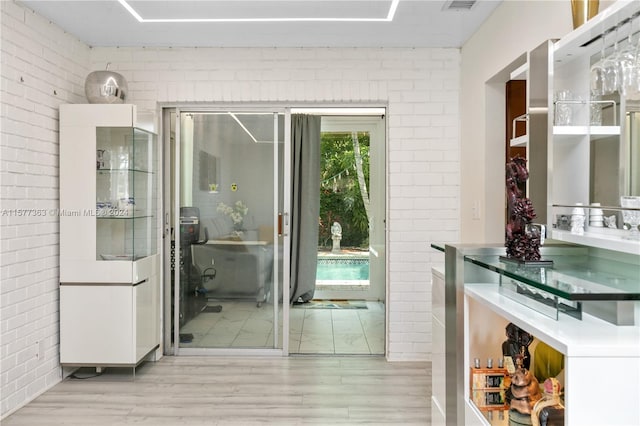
(226, 201)
(126, 201)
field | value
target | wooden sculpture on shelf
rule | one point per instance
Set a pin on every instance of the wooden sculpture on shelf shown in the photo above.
(523, 388)
(522, 239)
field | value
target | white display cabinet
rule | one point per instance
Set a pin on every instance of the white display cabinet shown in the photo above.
(109, 235)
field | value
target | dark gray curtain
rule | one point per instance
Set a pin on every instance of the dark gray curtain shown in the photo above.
(305, 209)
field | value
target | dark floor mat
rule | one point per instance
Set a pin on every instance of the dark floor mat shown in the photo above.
(332, 304)
(186, 337)
(212, 308)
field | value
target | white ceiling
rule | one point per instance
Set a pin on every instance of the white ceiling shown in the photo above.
(416, 23)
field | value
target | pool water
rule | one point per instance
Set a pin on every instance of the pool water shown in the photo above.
(342, 269)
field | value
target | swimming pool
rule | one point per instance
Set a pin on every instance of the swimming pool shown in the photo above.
(342, 269)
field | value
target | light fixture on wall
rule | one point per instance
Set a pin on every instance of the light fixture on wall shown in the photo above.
(393, 5)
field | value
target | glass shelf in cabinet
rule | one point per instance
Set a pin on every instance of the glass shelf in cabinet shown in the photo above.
(124, 217)
(112, 171)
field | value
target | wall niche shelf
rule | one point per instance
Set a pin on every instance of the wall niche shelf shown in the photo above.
(520, 141)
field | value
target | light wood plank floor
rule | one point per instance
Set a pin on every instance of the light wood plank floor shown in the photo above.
(242, 391)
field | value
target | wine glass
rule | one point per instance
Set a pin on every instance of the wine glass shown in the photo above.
(631, 217)
(610, 66)
(626, 66)
(636, 65)
(597, 74)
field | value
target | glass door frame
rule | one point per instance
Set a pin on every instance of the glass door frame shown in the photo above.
(281, 235)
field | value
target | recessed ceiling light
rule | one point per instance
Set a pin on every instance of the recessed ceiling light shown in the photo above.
(390, 14)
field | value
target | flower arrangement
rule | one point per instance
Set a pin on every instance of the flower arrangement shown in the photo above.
(236, 213)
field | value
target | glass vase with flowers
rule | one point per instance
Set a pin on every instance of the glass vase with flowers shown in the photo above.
(236, 212)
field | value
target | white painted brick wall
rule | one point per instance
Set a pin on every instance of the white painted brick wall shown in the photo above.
(420, 87)
(41, 67)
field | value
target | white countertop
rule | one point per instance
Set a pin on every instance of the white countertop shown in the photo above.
(589, 337)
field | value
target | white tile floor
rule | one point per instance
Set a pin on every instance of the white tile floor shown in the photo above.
(241, 324)
(337, 331)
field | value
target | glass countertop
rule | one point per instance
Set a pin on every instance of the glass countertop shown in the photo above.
(577, 278)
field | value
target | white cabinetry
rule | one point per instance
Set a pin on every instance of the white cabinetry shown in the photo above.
(109, 233)
(112, 324)
(589, 163)
(438, 357)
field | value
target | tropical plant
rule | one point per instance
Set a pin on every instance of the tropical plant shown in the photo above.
(342, 196)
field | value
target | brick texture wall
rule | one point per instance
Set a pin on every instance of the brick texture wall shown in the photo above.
(41, 67)
(420, 88)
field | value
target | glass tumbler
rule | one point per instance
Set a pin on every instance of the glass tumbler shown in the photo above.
(563, 113)
(631, 217)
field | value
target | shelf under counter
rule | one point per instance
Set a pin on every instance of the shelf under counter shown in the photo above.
(589, 337)
(592, 348)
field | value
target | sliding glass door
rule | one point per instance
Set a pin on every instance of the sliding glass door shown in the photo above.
(228, 193)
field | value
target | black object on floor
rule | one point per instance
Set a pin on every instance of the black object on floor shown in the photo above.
(186, 337)
(212, 308)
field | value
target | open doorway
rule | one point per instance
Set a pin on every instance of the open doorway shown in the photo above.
(347, 313)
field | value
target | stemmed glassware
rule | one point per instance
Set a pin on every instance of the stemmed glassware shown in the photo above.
(597, 74)
(636, 66)
(627, 70)
(597, 88)
(611, 81)
(617, 72)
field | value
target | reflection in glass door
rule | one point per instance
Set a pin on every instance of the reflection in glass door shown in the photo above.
(226, 199)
